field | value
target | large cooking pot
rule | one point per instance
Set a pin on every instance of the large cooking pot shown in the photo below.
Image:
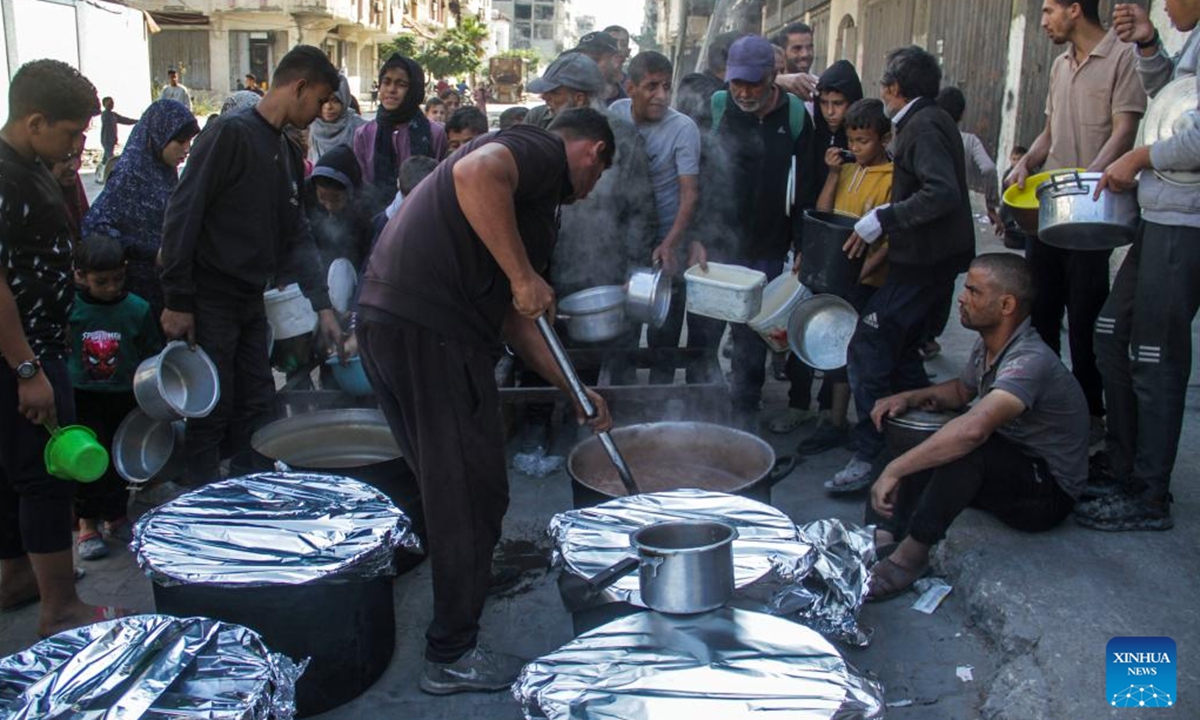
(1069, 218)
(684, 566)
(904, 432)
(356, 443)
(594, 315)
(673, 455)
(824, 266)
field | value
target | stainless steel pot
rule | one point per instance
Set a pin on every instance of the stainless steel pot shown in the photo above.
(684, 566)
(145, 449)
(594, 315)
(177, 383)
(904, 432)
(819, 331)
(648, 296)
(1069, 218)
(1171, 112)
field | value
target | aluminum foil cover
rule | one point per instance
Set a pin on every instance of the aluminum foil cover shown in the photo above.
(272, 529)
(768, 551)
(728, 664)
(150, 666)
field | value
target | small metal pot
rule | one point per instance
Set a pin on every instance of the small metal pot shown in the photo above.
(648, 296)
(1069, 218)
(145, 449)
(819, 331)
(904, 432)
(684, 566)
(177, 383)
(594, 315)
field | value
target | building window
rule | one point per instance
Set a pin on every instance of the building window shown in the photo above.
(523, 11)
(543, 31)
(543, 12)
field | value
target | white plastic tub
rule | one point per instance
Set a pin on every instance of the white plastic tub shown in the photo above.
(726, 292)
(289, 312)
(779, 299)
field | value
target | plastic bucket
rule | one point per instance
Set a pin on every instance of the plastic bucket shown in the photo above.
(73, 453)
(289, 312)
(780, 298)
(351, 377)
(726, 292)
(824, 267)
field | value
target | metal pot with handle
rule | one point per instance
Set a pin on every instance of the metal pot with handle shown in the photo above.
(594, 315)
(1069, 218)
(648, 296)
(684, 566)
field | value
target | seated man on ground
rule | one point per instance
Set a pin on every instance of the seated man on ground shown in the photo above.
(1020, 453)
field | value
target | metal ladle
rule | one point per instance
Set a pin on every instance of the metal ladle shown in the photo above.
(589, 409)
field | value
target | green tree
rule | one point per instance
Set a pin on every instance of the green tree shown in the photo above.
(456, 52)
(406, 45)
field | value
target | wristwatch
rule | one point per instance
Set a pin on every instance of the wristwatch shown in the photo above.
(28, 369)
(1153, 42)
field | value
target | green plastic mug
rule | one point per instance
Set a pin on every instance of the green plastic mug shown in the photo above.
(73, 453)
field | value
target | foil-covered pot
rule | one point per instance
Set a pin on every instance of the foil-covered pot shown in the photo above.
(815, 574)
(152, 667)
(728, 664)
(272, 529)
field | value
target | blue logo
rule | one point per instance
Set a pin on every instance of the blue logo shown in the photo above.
(1141, 672)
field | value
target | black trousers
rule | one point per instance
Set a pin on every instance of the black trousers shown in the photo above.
(232, 329)
(35, 507)
(883, 358)
(1144, 349)
(441, 402)
(107, 498)
(801, 376)
(1075, 281)
(996, 477)
(704, 334)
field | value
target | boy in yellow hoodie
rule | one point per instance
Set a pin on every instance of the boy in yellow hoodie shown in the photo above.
(854, 189)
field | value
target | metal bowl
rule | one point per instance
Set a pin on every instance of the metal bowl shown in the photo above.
(177, 383)
(594, 315)
(648, 296)
(1069, 218)
(820, 329)
(904, 432)
(1172, 111)
(145, 449)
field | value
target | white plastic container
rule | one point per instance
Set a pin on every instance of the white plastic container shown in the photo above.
(289, 312)
(779, 299)
(726, 292)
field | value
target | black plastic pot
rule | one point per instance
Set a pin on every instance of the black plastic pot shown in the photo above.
(824, 267)
(346, 628)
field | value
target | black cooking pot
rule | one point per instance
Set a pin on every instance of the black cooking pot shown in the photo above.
(824, 267)
(673, 455)
(355, 443)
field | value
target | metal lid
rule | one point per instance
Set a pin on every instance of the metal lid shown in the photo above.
(923, 419)
(728, 664)
(1172, 111)
(153, 667)
(272, 529)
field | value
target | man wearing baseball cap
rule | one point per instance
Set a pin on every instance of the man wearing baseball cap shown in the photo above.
(764, 136)
(606, 52)
(572, 80)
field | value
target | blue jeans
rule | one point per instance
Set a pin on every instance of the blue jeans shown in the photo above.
(883, 358)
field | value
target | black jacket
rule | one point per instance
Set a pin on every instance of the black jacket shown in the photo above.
(841, 77)
(931, 235)
(235, 222)
(756, 158)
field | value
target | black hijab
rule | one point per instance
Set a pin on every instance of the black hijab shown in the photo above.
(420, 141)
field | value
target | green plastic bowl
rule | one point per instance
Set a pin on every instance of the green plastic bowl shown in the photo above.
(73, 453)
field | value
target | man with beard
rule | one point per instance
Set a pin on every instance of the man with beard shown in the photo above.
(931, 239)
(799, 48)
(235, 225)
(1020, 453)
(763, 139)
(457, 272)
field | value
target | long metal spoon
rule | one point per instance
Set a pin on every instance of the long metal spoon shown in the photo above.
(585, 402)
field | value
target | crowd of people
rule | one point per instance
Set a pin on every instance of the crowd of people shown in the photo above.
(464, 236)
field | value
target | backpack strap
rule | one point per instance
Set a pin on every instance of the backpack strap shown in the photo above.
(719, 100)
(796, 115)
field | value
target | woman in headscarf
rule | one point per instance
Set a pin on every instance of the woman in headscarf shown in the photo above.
(399, 130)
(134, 199)
(336, 124)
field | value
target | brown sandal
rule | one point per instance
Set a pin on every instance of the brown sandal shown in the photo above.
(889, 580)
